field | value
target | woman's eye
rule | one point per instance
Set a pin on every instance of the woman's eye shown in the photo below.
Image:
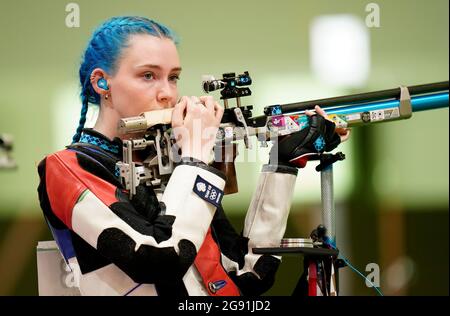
(148, 76)
(174, 78)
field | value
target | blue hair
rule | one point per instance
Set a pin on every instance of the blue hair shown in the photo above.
(104, 49)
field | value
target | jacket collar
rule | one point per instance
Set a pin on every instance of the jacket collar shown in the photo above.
(95, 138)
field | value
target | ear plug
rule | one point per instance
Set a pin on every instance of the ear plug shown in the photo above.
(101, 83)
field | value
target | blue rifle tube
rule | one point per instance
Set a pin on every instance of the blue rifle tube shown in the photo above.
(423, 97)
(418, 103)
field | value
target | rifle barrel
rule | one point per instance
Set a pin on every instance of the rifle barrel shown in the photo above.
(369, 97)
(418, 103)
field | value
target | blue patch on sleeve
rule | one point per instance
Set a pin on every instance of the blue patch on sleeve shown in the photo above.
(207, 191)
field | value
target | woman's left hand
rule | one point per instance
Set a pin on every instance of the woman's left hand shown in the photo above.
(344, 133)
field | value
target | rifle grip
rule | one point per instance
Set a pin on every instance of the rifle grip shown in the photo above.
(224, 157)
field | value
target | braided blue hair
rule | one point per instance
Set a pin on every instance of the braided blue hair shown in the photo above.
(103, 51)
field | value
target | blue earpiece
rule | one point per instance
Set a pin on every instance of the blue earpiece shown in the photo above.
(101, 83)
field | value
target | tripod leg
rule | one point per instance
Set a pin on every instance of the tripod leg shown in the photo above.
(333, 279)
(301, 289)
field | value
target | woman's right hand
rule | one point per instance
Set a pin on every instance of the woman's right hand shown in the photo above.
(195, 122)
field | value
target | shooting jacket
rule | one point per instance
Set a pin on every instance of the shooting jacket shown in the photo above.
(182, 244)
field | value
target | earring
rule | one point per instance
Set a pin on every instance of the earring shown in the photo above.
(106, 96)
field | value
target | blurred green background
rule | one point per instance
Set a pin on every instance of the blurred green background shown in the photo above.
(391, 191)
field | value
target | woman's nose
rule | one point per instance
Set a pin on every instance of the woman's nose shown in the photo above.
(167, 95)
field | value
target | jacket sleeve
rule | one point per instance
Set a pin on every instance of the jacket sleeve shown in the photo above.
(102, 215)
(265, 225)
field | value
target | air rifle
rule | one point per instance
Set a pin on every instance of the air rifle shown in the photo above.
(153, 128)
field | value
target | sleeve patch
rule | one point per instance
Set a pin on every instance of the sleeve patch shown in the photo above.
(207, 191)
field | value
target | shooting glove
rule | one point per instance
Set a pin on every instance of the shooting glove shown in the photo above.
(295, 149)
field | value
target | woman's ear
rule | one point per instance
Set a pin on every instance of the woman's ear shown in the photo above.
(100, 87)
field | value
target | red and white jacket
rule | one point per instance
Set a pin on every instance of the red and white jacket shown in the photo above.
(182, 244)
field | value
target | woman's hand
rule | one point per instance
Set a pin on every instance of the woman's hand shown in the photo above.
(344, 133)
(321, 135)
(195, 122)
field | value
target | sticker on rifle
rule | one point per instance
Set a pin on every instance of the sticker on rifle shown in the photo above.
(338, 120)
(353, 117)
(392, 113)
(276, 110)
(377, 115)
(291, 124)
(303, 121)
(278, 121)
(294, 118)
(207, 191)
(365, 117)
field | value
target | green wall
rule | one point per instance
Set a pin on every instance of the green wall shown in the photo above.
(404, 163)
(40, 56)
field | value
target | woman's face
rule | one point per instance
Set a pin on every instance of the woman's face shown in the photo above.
(146, 76)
